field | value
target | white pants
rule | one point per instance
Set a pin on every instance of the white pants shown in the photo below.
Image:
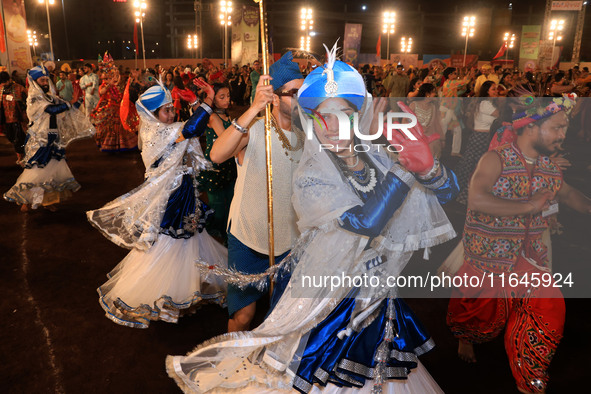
(448, 116)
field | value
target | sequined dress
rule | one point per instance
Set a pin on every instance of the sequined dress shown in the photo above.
(162, 221)
(325, 341)
(111, 136)
(47, 179)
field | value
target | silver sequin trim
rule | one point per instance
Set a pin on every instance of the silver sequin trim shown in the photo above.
(346, 378)
(301, 384)
(360, 369)
(321, 375)
(403, 356)
(404, 175)
(425, 347)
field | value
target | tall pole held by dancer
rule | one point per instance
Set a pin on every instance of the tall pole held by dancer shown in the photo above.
(268, 136)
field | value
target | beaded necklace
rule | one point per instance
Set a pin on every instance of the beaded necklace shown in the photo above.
(287, 147)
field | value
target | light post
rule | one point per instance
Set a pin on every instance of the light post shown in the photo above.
(405, 45)
(468, 28)
(226, 20)
(509, 39)
(306, 25)
(389, 19)
(140, 7)
(32, 36)
(47, 3)
(193, 43)
(555, 34)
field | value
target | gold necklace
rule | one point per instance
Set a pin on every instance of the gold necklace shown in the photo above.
(284, 140)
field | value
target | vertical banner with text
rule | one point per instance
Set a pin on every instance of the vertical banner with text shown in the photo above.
(530, 42)
(351, 43)
(17, 44)
(245, 35)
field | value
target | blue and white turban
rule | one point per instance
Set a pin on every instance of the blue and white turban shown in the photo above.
(335, 79)
(155, 97)
(38, 72)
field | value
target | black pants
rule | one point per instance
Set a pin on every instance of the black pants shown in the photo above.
(15, 134)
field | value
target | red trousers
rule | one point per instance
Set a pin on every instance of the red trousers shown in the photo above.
(533, 318)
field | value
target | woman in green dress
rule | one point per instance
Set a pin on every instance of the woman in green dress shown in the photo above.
(219, 182)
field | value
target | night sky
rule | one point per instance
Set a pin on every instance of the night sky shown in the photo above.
(434, 26)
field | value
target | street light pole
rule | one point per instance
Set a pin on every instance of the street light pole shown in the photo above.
(47, 2)
(389, 19)
(555, 33)
(509, 43)
(468, 27)
(139, 18)
(66, 30)
(32, 41)
(226, 20)
(143, 42)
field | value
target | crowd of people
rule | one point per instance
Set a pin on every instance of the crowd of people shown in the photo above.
(197, 226)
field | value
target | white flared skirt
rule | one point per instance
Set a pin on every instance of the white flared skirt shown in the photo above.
(43, 186)
(159, 283)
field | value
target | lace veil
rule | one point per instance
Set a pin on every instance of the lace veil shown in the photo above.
(133, 220)
(71, 124)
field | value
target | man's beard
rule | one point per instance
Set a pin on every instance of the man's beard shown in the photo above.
(543, 149)
(45, 88)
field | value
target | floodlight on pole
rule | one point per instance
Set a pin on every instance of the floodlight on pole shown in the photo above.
(389, 19)
(468, 29)
(225, 20)
(555, 33)
(306, 26)
(47, 4)
(509, 39)
(406, 45)
(193, 42)
(140, 8)
(32, 36)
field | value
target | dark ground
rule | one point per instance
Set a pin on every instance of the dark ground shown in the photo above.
(55, 338)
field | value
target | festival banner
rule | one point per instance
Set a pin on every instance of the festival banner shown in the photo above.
(369, 58)
(245, 35)
(567, 6)
(530, 42)
(17, 44)
(549, 55)
(351, 43)
(406, 59)
(457, 61)
(436, 61)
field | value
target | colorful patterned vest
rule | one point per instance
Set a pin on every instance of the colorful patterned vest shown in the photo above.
(493, 243)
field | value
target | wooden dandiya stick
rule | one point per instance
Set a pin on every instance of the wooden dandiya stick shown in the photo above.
(268, 130)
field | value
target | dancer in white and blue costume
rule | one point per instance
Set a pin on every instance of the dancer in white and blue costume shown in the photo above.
(162, 221)
(54, 124)
(358, 214)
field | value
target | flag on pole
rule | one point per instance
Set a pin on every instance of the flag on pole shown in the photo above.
(501, 51)
(135, 37)
(379, 47)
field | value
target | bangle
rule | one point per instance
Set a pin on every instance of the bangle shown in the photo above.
(194, 103)
(241, 129)
(432, 172)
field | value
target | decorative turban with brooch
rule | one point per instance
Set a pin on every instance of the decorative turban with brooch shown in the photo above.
(335, 79)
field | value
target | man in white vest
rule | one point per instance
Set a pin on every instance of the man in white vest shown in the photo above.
(248, 242)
